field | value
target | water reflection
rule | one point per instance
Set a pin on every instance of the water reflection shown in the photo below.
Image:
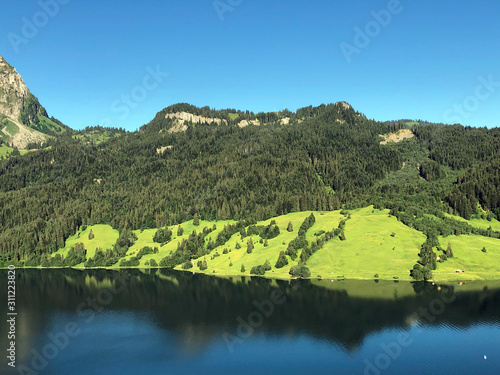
(127, 309)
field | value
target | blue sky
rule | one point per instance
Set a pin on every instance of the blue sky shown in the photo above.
(91, 62)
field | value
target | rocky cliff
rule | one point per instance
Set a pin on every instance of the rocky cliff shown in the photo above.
(13, 91)
(20, 110)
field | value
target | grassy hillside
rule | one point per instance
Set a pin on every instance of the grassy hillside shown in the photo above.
(6, 150)
(145, 238)
(467, 255)
(478, 223)
(8, 127)
(370, 248)
(375, 244)
(46, 125)
(104, 237)
(97, 135)
(220, 264)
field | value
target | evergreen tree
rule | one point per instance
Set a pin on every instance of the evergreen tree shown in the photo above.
(290, 227)
(91, 235)
(242, 267)
(162, 235)
(282, 260)
(180, 230)
(449, 251)
(249, 245)
(267, 265)
(196, 220)
(300, 270)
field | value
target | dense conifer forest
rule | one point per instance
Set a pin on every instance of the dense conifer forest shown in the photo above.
(323, 158)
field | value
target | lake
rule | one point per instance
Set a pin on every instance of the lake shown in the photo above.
(75, 322)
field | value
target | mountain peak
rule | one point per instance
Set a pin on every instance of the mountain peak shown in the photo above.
(23, 119)
(13, 91)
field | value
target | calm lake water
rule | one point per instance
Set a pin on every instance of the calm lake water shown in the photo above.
(131, 322)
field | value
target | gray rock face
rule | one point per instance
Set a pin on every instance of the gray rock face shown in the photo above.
(14, 97)
(13, 91)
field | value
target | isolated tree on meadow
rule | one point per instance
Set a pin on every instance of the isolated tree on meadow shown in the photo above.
(91, 235)
(449, 251)
(267, 265)
(290, 227)
(249, 246)
(180, 231)
(242, 267)
(282, 260)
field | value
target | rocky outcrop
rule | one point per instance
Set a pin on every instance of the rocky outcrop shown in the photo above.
(19, 109)
(13, 91)
(244, 123)
(23, 135)
(399, 136)
(344, 105)
(161, 150)
(181, 118)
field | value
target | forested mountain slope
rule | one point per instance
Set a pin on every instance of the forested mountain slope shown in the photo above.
(318, 158)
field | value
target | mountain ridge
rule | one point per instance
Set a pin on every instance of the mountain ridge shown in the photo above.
(23, 120)
(323, 158)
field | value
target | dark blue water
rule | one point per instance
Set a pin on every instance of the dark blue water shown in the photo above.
(102, 322)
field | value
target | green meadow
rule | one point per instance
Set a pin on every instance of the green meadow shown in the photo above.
(468, 257)
(238, 257)
(145, 238)
(10, 127)
(104, 237)
(47, 123)
(6, 150)
(377, 246)
(478, 223)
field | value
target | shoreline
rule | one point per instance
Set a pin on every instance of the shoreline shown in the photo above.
(274, 277)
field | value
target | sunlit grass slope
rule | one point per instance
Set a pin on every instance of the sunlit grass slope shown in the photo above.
(376, 246)
(479, 223)
(104, 237)
(370, 248)
(467, 255)
(324, 221)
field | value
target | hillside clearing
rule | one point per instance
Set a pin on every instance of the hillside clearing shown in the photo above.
(376, 246)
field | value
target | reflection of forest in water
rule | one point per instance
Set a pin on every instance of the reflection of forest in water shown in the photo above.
(199, 308)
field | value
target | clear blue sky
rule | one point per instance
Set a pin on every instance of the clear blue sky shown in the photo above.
(263, 56)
